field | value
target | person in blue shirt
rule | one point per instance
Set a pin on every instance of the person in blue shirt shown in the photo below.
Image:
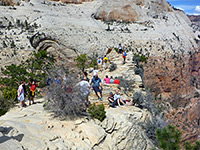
(57, 80)
(96, 85)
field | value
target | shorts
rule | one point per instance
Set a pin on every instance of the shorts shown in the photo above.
(84, 97)
(21, 97)
(96, 89)
(99, 66)
(32, 94)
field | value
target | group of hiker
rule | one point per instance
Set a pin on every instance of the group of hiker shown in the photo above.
(96, 86)
(96, 83)
(85, 85)
(22, 92)
(110, 80)
(102, 62)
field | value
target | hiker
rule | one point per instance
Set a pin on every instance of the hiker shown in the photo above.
(107, 80)
(20, 94)
(32, 92)
(99, 63)
(95, 71)
(85, 91)
(117, 98)
(105, 61)
(57, 80)
(111, 80)
(85, 76)
(116, 81)
(102, 59)
(24, 87)
(96, 85)
(111, 98)
(120, 49)
(124, 54)
(48, 80)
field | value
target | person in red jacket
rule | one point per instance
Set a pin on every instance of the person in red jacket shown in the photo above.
(116, 81)
(32, 92)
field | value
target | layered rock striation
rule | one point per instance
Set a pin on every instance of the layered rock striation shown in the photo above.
(132, 10)
(32, 128)
(73, 27)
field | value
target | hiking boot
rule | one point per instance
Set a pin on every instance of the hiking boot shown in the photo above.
(100, 98)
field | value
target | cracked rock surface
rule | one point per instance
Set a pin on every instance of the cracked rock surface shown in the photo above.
(32, 128)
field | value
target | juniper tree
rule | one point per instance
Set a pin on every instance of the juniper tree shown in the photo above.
(82, 61)
(169, 138)
(39, 65)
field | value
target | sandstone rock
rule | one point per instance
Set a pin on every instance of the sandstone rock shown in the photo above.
(124, 131)
(176, 79)
(75, 1)
(9, 144)
(120, 130)
(81, 33)
(130, 11)
(127, 14)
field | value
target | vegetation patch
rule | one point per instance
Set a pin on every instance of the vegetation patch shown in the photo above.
(97, 111)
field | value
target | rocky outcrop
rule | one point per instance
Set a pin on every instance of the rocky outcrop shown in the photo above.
(9, 2)
(195, 19)
(125, 13)
(130, 11)
(74, 1)
(173, 75)
(176, 80)
(32, 128)
(187, 120)
(74, 27)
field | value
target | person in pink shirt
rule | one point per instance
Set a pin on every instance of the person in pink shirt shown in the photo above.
(107, 80)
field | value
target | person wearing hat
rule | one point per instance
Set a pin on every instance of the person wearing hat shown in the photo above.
(111, 97)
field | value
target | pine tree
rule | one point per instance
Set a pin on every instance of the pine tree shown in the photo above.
(82, 61)
(169, 138)
(39, 65)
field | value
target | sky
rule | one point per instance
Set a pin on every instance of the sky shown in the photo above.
(190, 7)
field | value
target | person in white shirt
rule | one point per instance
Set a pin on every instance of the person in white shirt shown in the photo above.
(99, 63)
(118, 99)
(20, 94)
(95, 71)
(84, 87)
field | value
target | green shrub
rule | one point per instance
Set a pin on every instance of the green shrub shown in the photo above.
(196, 146)
(10, 94)
(97, 111)
(12, 45)
(94, 63)
(169, 138)
(116, 49)
(82, 61)
(5, 105)
(4, 44)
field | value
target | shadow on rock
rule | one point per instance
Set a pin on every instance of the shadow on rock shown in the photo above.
(5, 137)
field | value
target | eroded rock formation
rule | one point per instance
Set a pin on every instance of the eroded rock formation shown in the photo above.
(32, 128)
(132, 10)
(176, 80)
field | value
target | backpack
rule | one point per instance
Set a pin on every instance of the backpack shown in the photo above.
(125, 53)
(99, 61)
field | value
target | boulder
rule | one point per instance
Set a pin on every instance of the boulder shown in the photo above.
(130, 11)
